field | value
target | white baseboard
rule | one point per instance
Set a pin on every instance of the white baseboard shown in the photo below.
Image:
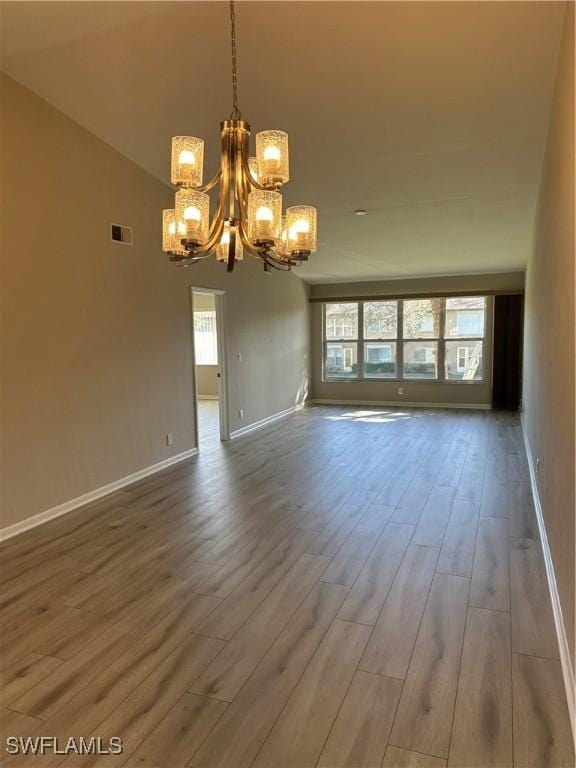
(208, 397)
(86, 498)
(397, 404)
(264, 422)
(563, 647)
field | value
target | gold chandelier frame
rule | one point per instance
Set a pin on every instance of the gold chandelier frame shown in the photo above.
(235, 182)
(280, 243)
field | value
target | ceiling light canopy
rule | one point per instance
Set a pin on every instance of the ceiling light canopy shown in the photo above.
(248, 215)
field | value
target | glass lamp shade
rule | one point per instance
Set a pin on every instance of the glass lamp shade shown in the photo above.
(253, 167)
(224, 244)
(264, 215)
(302, 229)
(168, 230)
(272, 158)
(192, 208)
(172, 233)
(187, 161)
(282, 242)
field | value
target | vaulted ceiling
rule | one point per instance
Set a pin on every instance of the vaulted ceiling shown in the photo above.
(432, 116)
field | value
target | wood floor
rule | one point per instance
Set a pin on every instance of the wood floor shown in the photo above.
(208, 425)
(348, 587)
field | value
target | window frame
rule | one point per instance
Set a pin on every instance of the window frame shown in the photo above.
(326, 341)
(399, 341)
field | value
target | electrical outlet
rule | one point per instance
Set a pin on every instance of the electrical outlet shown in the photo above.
(169, 438)
(400, 390)
(537, 466)
(241, 413)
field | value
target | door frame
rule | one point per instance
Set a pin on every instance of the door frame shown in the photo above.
(223, 388)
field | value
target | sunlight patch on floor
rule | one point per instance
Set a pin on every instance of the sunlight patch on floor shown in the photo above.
(371, 417)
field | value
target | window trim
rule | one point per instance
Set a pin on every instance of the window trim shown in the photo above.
(399, 340)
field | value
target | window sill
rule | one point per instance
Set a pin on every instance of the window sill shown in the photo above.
(400, 381)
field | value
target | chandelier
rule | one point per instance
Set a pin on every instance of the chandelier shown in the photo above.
(248, 215)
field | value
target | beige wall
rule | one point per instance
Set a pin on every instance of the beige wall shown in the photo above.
(96, 336)
(499, 281)
(207, 381)
(457, 393)
(206, 375)
(549, 332)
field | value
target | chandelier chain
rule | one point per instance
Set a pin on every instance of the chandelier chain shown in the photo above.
(235, 112)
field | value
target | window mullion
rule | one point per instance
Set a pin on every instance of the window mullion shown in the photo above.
(360, 340)
(441, 340)
(400, 341)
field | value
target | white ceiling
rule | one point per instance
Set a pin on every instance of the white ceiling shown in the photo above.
(431, 115)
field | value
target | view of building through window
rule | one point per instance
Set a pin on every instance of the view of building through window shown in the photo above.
(205, 338)
(435, 339)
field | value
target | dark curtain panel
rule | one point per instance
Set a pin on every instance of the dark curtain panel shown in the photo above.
(507, 366)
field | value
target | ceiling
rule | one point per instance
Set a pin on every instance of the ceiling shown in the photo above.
(430, 115)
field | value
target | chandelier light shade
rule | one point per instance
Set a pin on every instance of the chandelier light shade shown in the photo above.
(192, 208)
(253, 168)
(272, 158)
(247, 215)
(168, 230)
(282, 245)
(225, 244)
(264, 216)
(301, 228)
(187, 161)
(172, 233)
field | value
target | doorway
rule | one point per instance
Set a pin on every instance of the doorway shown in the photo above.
(210, 385)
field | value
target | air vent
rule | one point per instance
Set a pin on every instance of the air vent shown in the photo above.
(121, 234)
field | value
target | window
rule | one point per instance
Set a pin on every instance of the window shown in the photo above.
(205, 339)
(465, 317)
(380, 322)
(422, 318)
(360, 340)
(421, 322)
(420, 359)
(380, 319)
(341, 361)
(431, 339)
(463, 361)
(341, 355)
(380, 360)
(342, 321)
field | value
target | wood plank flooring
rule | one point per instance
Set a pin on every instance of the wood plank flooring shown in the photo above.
(348, 587)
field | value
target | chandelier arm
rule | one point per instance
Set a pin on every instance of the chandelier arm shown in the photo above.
(264, 255)
(249, 178)
(273, 259)
(186, 261)
(245, 240)
(232, 148)
(210, 184)
(217, 226)
(231, 251)
(213, 239)
(280, 266)
(267, 256)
